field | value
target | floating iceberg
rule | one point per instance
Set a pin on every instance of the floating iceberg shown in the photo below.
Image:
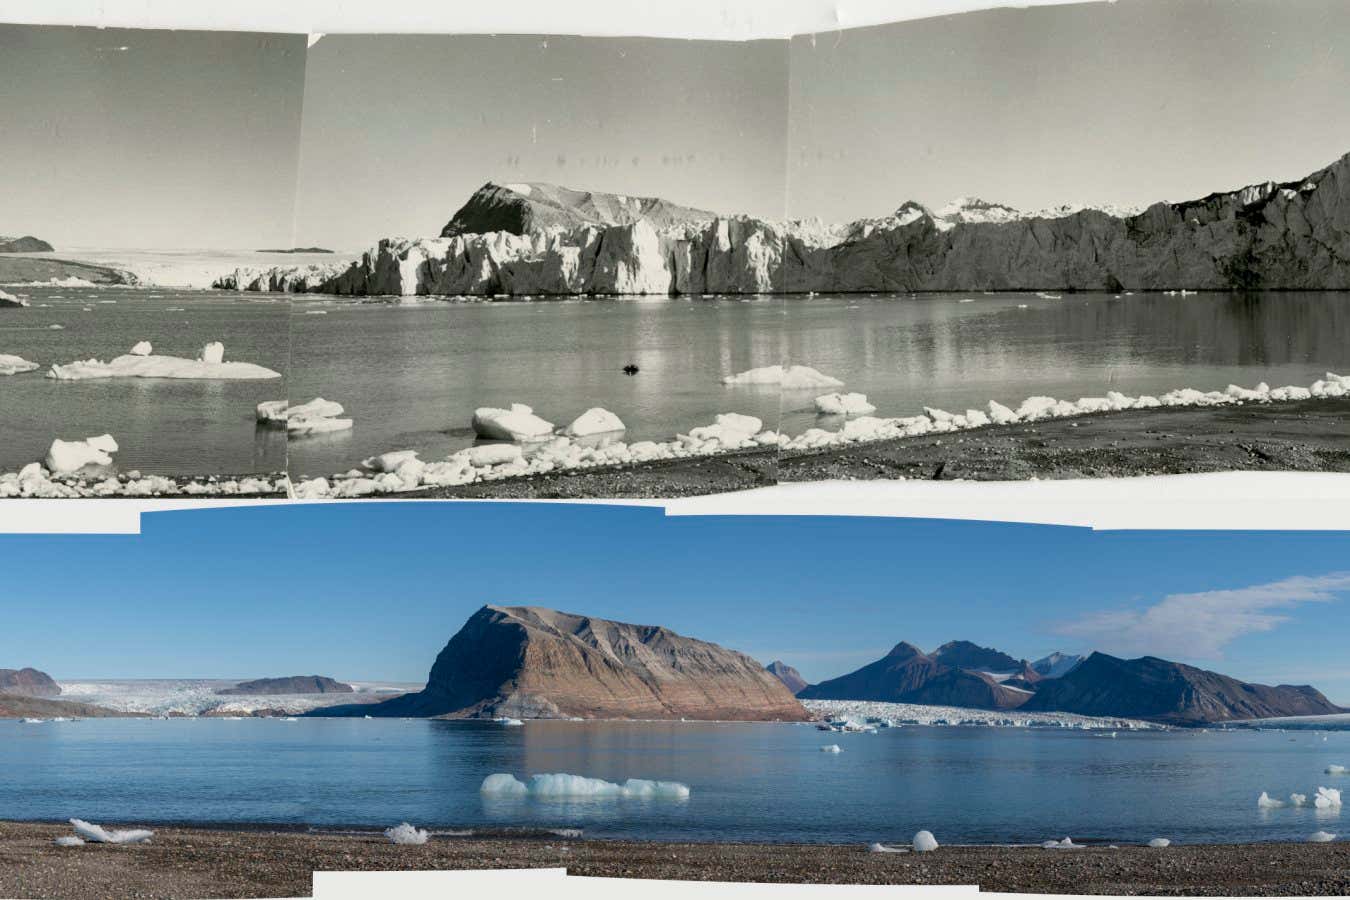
(210, 366)
(13, 365)
(562, 786)
(1321, 837)
(1066, 844)
(71, 456)
(519, 423)
(1335, 770)
(789, 377)
(831, 748)
(1160, 843)
(318, 416)
(924, 842)
(844, 405)
(1327, 798)
(98, 835)
(406, 834)
(508, 721)
(142, 348)
(594, 421)
(1265, 801)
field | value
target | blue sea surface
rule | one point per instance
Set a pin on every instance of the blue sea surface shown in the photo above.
(748, 782)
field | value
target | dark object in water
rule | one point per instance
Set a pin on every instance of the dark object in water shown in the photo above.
(630, 369)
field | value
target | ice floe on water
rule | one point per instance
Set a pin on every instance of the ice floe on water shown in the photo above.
(318, 416)
(519, 423)
(209, 365)
(837, 404)
(1065, 844)
(831, 748)
(873, 713)
(1325, 799)
(13, 365)
(1335, 770)
(595, 421)
(508, 721)
(787, 377)
(1160, 842)
(1321, 837)
(562, 786)
(97, 834)
(924, 842)
(406, 834)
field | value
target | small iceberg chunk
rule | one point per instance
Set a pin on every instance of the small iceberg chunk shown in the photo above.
(1066, 844)
(595, 421)
(791, 377)
(406, 834)
(1160, 842)
(1321, 837)
(13, 365)
(213, 353)
(318, 416)
(562, 786)
(65, 457)
(882, 848)
(143, 348)
(508, 721)
(69, 840)
(924, 842)
(1265, 801)
(97, 834)
(519, 423)
(1327, 798)
(1336, 770)
(210, 366)
(831, 748)
(844, 405)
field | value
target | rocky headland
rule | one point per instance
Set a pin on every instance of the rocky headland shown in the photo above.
(25, 244)
(541, 239)
(531, 662)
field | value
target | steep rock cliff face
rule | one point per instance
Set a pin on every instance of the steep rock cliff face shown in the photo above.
(531, 662)
(541, 239)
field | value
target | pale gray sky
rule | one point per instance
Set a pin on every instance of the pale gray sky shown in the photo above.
(1127, 102)
(149, 138)
(399, 130)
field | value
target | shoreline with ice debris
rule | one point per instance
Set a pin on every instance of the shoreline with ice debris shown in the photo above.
(858, 715)
(258, 860)
(35, 481)
(1117, 435)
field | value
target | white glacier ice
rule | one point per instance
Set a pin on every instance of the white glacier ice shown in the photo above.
(1160, 842)
(13, 365)
(1327, 798)
(519, 423)
(1321, 837)
(99, 835)
(831, 748)
(1336, 770)
(70, 456)
(1066, 844)
(562, 786)
(142, 348)
(882, 848)
(858, 711)
(924, 842)
(837, 404)
(594, 421)
(1265, 801)
(406, 834)
(211, 366)
(69, 840)
(788, 377)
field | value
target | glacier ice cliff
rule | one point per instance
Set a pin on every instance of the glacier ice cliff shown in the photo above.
(538, 239)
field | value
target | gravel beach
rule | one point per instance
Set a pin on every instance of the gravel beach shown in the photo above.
(195, 863)
(1298, 436)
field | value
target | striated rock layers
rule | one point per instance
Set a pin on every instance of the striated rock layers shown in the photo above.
(540, 239)
(791, 678)
(530, 662)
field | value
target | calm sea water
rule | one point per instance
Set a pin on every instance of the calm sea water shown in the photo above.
(955, 351)
(747, 782)
(163, 426)
(411, 375)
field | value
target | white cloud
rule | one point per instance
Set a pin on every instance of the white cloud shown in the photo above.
(1200, 625)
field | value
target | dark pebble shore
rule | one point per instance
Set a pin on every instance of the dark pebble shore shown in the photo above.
(198, 863)
(1297, 436)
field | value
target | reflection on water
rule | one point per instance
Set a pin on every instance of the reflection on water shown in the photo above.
(747, 781)
(411, 376)
(163, 426)
(956, 351)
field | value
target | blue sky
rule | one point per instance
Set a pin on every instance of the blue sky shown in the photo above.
(373, 591)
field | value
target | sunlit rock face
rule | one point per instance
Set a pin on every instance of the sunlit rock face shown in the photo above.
(532, 239)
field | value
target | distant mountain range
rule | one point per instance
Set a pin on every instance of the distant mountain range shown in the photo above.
(963, 674)
(543, 239)
(293, 684)
(26, 244)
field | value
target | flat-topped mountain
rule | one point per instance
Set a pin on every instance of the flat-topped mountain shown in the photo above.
(293, 684)
(525, 208)
(542, 239)
(28, 682)
(25, 244)
(791, 678)
(531, 662)
(1164, 691)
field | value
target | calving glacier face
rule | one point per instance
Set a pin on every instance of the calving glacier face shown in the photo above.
(1267, 236)
(196, 696)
